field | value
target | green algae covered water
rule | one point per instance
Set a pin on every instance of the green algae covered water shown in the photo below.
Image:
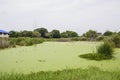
(52, 56)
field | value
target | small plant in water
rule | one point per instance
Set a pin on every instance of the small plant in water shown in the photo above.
(104, 51)
(105, 48)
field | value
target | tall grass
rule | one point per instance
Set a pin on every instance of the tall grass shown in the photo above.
(4, 43)
(105, 48)
(71, 74)
(25, 41)
(21, 41)
(104, 51)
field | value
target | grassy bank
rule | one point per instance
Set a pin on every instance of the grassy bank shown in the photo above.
(71, 74)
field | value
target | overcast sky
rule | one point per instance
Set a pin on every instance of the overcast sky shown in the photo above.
(76, 15)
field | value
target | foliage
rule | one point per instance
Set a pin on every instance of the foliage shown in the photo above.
(76, 39)
(108, 33)
(100, 38)
(63, 40)
(14, 34)
(83, 38)
(119, 33)
(91, 34)
(79, 39)
(42, 31)
(25, 41)
(105, 48)
(95, 56)
(55, 33)
(48, 35)
(4, 43)
(36, 34)
(26, 33)
(104, 51)
(116, 40)
(92, 73)
(69, 34)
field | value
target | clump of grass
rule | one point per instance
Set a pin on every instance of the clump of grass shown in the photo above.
(92, 73)
(104, 51)
(4, 43)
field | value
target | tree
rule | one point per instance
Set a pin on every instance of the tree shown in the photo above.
(48, 35)
(118, 33)
(42, 31)
(91, 34)
(14, 34)
(64, 35)
(26, 33)
(69, 34)
(108, 33)
(55, 34)
(36, 34)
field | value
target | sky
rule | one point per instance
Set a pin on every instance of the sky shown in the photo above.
(75, 15)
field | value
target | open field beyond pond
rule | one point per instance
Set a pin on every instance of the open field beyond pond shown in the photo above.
(52, 56)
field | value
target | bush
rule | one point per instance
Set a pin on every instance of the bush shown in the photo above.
(105, 48)
(76, 39)
(116, 40)
(83, 39)
(104, 51)
(99, 38)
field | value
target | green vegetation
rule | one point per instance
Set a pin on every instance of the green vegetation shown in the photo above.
(55, 34)
(71, 74)
(42, 31)
(100, 38)
(69, 34)
(24, 41)
(50, 57)
(21, 41)
(104, 51)
(94, 56)
(54, 56)
(108, 33)
(54, 60)
(116, 40)
(91, 35)
(4, 43)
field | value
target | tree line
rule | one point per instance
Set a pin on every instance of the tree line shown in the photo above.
(43, 32)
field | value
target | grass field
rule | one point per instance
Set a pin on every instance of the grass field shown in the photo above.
(70, 74)
(52, 56)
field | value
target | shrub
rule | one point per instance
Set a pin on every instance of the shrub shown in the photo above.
(76, 39)
(64, 40)
(99, 38)
(83, 39)
(29, 42)
(105, 48)
(116, 40)
(104, 51)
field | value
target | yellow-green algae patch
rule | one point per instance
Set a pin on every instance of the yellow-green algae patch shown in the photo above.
(52, 56)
